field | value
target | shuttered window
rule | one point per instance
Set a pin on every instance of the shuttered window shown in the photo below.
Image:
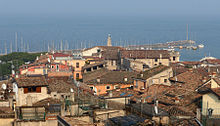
(25, 90)
(38, 90)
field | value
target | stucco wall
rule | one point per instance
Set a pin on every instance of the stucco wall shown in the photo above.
(214, 84)
(210, 101)
(156, 79)
(101, 88)
(6, 121)
(37, 123)
(90, 51)
(22, 98)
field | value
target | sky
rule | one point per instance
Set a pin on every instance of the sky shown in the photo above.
(171, 8)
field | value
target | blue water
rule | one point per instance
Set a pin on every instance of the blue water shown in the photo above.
(84, 32)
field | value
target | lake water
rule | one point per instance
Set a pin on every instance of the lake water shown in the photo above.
(83, 32)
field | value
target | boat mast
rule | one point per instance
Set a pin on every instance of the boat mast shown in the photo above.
(187, 35)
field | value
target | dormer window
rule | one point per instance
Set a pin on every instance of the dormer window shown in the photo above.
(142, 75)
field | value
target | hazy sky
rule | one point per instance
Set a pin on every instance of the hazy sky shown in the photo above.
(111, 7)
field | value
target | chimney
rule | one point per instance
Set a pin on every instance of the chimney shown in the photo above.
(204, 79)
(98, 79)
(214, 74)
(110, 94)
(161, 56)
(142, 75)
(190, 69)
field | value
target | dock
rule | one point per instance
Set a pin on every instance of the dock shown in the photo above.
(172, 44)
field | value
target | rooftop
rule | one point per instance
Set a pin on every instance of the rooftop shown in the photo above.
(145, 54)
(108, 77)
(31, 81)
(151, 72)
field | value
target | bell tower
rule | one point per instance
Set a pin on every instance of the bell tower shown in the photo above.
(109, 41)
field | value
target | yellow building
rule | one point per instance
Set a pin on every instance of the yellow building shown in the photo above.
(156, 75)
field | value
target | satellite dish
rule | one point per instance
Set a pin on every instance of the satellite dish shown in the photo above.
(71, 90)
(4, 86)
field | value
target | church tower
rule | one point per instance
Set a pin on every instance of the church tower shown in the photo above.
(109, 41)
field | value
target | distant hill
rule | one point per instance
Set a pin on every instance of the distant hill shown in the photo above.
(15, 58)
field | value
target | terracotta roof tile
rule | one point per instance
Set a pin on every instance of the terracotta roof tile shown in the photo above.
(31, 81)
(143, 54)
(151, 72)
(108, 77)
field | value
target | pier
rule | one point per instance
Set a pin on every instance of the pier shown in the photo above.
(172, 44)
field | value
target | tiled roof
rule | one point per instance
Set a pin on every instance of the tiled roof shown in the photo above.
(6, 112)
(216, 91)
(212, 61)
(145, 54)
(60, 84)
(192, 78)
(151, 72)
(123, 92)
(60, 55)
(77, 121)
(110, 55)
(217, 80)
(44, 102)
(31, 81)
(108, 77)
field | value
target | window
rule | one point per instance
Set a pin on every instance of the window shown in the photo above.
(77, 64)
(131, 86)
(98, 50)
(77, 75)
(91, 88)
(52, 67)
(174, 58)
(57, 67)
(156, 60)
(165, 80)
(55, 95)
(107, 87)
(116, 87)
(32, 90)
